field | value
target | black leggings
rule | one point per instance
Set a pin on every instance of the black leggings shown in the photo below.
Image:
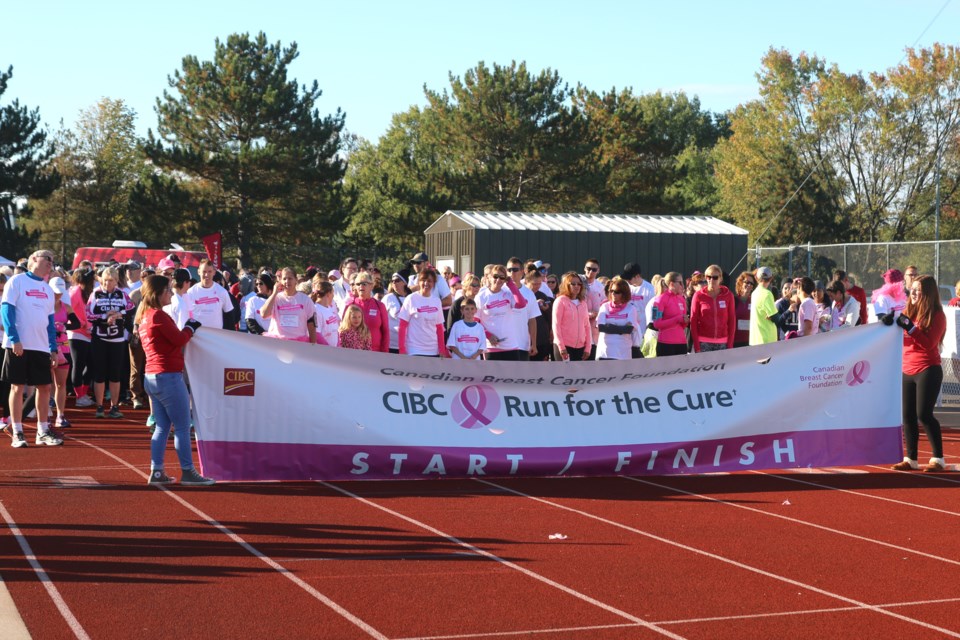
(513, 356)
(574, 353)
(81, 373)
(920, 393)
(664, 350)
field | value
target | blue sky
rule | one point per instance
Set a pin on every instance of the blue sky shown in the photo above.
(371, 59)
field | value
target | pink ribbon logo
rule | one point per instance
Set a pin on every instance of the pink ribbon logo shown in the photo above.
(858, 373)
(475, 407)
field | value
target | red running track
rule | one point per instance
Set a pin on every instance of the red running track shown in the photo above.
(88, 550)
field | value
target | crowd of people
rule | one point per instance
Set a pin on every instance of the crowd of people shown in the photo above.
(117, 332)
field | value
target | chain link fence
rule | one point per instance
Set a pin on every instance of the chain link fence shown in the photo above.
(865, 263)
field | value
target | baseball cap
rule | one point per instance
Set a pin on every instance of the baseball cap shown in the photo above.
(764, 273)
(166, 263)
(133, 265)
(420, 257)
(58, 285)
(892, 275)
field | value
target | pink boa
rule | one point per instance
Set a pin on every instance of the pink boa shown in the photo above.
(893, 290)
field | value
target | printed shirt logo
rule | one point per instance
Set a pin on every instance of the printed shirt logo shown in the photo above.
(239, 382)
(207, 300)
(427, 309)
(476, 406)
(37, 293)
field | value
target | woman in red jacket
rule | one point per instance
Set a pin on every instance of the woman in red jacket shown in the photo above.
(924, 325)
(670, 317)
(163, 345)
(713, 318)
(374, 312)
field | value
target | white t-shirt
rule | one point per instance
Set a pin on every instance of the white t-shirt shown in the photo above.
(328, 324)
(612, 345)
(393, 304)
(422, 315)
(518, 329)
(494, 311)
(209, 305)
(885, 304)
(178, 309)
(33, 300)
(252, 310)
(290, 317)
(243, 309)
(468, 339)
(342, 291)
(808, 311)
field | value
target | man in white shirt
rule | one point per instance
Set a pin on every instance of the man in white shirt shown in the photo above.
(134, 270)
(207, 299)
(525, 318)
(29, 345)
(593, 289)
(343, 287)
(441, 291)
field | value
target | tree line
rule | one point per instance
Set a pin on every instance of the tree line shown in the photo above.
(239, 146)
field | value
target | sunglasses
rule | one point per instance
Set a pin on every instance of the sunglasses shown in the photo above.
(713, 277)
(499, 277)
(591, 269)
(513, 269)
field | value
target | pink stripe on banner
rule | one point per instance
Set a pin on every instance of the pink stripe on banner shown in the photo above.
(251, 461)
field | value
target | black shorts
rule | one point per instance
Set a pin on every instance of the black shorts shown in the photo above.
(33, 367)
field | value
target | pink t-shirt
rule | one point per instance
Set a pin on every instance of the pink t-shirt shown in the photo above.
(422, 315)
(290, 316)
(808, 311)
(328, 325)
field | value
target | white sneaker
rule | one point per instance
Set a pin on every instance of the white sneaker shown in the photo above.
(18, 440)
(85, 401)
(48, 439)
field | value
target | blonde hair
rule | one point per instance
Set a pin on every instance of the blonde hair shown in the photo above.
(345, 322)
(110, 272)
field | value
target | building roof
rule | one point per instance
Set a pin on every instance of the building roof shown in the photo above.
(613, 222)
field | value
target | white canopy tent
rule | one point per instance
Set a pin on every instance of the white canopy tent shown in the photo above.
(4, 262)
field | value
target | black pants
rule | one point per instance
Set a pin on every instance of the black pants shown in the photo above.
(515, 355)
(81, 372)
(575, 353)
(110, 360)
(664, 350)
(544, 351)
(920, 393)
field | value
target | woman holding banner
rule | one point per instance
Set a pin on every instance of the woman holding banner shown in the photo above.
(163, 345)
(924, 325)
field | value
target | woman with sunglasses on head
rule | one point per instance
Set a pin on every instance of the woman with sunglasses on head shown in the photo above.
(617, 321)
(374, 312)
(163, 345)
(495, 303)
(924, 325)
(713, 318)
(572, 336)
(670, 317)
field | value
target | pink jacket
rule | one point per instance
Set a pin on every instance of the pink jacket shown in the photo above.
(571, 324)
(669, 310)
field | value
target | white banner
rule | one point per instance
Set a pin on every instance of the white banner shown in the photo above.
(268, 409)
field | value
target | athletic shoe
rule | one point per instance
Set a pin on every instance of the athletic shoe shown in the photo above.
(115, 412)
(49, 439)
(191, 478)
(63, 423)
(137, 405)
(85, 401)
(157, 476)
(151, 421)
(934, 467)
(100, 413)
(906, 465)
(19, 440)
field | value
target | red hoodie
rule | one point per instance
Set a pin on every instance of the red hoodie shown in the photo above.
(713, 320)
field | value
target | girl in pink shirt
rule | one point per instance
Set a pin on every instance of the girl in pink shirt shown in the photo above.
(670, 317)
(354, 333)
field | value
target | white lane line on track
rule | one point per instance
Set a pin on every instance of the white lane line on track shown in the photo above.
(44, 578)
(512, 565)
(270, 562)
(807, 523)
(856, 603)
(20, 472)
(746, 616)
(789, 478)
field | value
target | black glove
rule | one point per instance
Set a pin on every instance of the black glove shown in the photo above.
(651, 327)
(254, 327)
(886, 318)
(905, 323)
(192, 324)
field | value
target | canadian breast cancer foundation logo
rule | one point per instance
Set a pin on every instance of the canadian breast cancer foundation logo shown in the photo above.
(475, 407)
(858, 373)
(239, 382)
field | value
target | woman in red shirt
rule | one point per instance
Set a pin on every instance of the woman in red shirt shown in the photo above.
(374, 313)
(924, 325)
(163, 345)
(713, 318)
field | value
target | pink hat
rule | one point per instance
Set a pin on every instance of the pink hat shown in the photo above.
(892, 275)
(166, 263)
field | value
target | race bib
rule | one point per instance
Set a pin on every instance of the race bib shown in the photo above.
(289, 321)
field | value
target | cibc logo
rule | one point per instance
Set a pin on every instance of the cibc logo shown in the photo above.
(239, 382)
(858, 373)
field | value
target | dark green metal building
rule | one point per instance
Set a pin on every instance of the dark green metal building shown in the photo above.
(468, 240)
